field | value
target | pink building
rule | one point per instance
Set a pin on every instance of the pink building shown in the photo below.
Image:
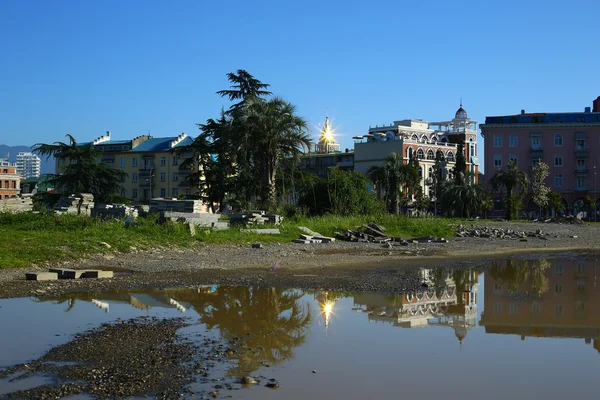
(569, 142)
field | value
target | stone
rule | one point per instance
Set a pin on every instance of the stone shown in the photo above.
(96, 273)
(257, 246)
(108, 246)
(248, 380)
(192, 228)
(41, 276)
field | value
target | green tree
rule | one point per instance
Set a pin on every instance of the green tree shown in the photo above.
(464, 199)
(460, 166)
(82, 170)
(540, 172)
(276, 133)
(515, 182)
(555, 203)
(393, 177)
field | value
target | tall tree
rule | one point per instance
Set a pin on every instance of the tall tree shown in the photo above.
(540, 191)
(395, 175)
(460, 165)
(82, 171)
(276, 132)
(515, 182)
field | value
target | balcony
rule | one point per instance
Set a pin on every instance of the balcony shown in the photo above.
(536, 151)
(582, 151)
(581, 189)
(582, 169)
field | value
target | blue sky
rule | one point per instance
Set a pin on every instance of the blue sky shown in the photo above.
(132, 67)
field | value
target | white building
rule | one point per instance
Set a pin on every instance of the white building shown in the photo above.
(28, 165)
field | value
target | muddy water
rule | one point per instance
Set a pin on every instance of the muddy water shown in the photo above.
(515, 329)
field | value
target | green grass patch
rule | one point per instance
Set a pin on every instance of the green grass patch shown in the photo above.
(30, 238)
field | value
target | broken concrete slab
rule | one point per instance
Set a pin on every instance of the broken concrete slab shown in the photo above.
(309, 232)
(96, 273)
(263, 231)
(41, 276)
(68, 273)
(324, 239)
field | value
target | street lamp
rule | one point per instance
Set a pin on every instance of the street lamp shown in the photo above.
(595, 201)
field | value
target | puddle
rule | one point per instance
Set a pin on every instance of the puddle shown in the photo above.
(519, 328)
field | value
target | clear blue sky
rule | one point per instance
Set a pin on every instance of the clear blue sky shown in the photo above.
(85, 67)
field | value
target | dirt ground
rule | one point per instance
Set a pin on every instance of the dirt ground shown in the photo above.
(339, 265)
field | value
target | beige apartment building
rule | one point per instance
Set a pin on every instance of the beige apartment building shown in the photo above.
(152, 167)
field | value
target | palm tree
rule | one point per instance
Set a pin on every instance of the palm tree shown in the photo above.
(512, 179)
(82, 170)
(392, 177)
(464, 199)
(276, 132)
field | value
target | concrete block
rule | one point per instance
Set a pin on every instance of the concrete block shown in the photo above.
(41, 276)
(257, 246)
(324, 239)
(96, 273)
(302, 241)
(263, 231)
(67, 273)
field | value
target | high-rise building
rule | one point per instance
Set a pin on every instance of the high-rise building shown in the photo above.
(569, 142)
(28, 165)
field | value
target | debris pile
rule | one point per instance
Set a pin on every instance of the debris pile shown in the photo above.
(255, 217)
(498, 233)
(80, 203)
(109, 211)
(16, 204)
(310, 237)
(564, 220)
(158, 205)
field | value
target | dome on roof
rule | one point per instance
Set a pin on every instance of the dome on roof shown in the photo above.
(460, 113)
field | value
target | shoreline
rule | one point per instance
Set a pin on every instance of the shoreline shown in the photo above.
(342, 266)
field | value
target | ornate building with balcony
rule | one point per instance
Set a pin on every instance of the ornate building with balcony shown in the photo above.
(423, 139)
(569, 142)
(153, 169)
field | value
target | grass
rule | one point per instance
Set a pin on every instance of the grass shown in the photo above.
(30, 238)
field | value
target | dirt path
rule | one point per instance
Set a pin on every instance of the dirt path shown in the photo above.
(340, 265)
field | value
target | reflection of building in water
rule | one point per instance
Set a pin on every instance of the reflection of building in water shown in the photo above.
(450, 300)
(558, 298)
(146, 301)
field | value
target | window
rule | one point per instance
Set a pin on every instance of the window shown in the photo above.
(535, 307)
(450, 156)
(134, 193)
(420, 154)
(581, 306)
(163, 161)
(123, 192)
(175, 192)
(497, 140)
(558, 180)
(134, 177)
(558, 160)
(581, 288)
(535, 142)
(513, 157)
(175, 161)
(581, 268)
(122, 162)
(513, 140)
(174, 177)
(122, 178)
(581, 163)
(580, 144)
(430, 155)
(134, 162)
(558, 270)
(513, 309)
(497, 308)
(163, 192)
(558, 310)
(558, 140)
(497, 288)
(163, 176)
(558, 288)
(581, 182)
(497, 160)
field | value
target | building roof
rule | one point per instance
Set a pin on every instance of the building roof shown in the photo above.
(161, 144)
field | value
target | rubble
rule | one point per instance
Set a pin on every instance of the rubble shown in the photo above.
(373, 233)
(498, 233)
(17, 204)
(564, 220)
(80, 203)
(255, 217)
(158, 205)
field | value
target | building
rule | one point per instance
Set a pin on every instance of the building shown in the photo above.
(28, 165)
(560, 299)
(443, 304)
(422, 138)
(569, 142)
(153, 169)
(9, 180)
(325, 153)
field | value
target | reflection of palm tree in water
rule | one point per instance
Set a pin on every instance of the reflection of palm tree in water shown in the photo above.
(463, 279)
(271, 321)
(516, 272)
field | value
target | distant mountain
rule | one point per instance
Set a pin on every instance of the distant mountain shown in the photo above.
(12, 151)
